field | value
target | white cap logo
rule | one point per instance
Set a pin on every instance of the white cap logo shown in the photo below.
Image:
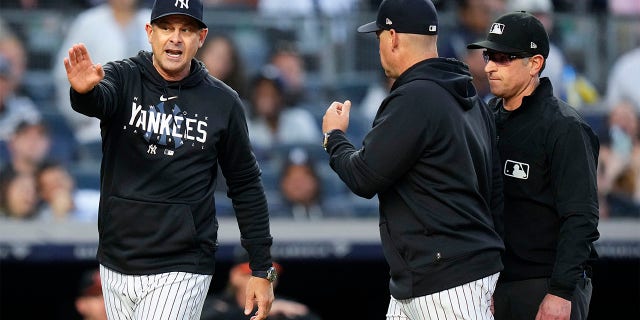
(497, 28)
(432, 28)
(388, 22)
(534, 45)
(184, 4)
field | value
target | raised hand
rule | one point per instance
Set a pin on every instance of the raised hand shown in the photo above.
(337, 116)
(83, 75)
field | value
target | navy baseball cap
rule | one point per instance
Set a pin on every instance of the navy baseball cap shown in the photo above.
(405, 16)
(191, 8)
(516, 33)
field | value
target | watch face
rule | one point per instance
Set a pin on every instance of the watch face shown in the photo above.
(325, 140)
(272, 275)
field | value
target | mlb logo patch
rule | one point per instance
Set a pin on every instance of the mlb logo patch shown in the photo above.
(518, 170)
(497, 28)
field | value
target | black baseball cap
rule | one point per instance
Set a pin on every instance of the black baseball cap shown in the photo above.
(405, 16)
(516, 33)
(191, 8)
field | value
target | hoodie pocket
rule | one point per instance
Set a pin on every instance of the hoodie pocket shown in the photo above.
(393, 256)
(138, 230)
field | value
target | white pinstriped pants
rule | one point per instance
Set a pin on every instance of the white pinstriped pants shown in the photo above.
(171, 295)
(470, 301)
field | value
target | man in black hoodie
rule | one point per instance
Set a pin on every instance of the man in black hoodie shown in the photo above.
(431, 159)
(166, 126)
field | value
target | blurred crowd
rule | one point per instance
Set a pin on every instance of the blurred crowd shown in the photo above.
(286, 74)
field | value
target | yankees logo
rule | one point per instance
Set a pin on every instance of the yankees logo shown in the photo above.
(184, 4)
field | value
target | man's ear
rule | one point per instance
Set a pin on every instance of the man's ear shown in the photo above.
(395, 41)
(203, 35)
(538, 62)
(149, 30)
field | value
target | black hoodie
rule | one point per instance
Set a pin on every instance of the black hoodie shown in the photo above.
(431, 158)
(162, 143)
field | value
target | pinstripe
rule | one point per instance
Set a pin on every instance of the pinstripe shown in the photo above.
(173, 304)
(145, 303)
(431, 304)
(171, 295)
(447, 307)
(460, 292)
(156, 294)
(107, 292)
(483, 303)
(428, 308)
(151, 307)
(194, 303)
(180, 307)
(131, 290)
(198, 302)
(204, 290)
(113, 286)
(423, 307)
(472, 294)
(189, 308)
(453, 303)
(131, 286)
(469, 292)
(435, 304)
(480, 297)
(117, 304)
(412, 307)
(104, 275)
(150, 296)
(465, 292)
(394, 312)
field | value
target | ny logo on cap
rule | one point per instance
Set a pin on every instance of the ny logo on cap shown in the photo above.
(184, 4)
(497, 28)
(388, 22)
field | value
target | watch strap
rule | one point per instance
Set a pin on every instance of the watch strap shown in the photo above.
(325, 138)
(270, 274)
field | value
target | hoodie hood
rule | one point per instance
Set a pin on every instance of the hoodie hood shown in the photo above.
(144, 61)
(451, 74)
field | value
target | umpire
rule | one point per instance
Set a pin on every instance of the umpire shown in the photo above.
(549, 157)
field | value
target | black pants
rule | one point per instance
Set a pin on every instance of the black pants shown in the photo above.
(520, 300)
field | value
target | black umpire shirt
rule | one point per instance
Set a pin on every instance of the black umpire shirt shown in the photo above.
(549, 156)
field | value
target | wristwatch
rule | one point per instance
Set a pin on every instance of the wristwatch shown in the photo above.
(325, 139)
(270, 274)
